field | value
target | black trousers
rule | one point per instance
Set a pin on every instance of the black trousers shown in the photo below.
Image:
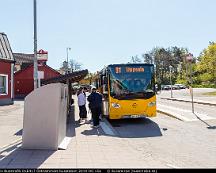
(82, 111)
(95, 115)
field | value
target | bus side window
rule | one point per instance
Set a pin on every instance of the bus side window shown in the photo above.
(97, 83)
(105, 80)
(101, 80)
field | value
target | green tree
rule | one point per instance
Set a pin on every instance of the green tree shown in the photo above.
(206, 66)
(147, 58)
(165, 57)
(135, 59)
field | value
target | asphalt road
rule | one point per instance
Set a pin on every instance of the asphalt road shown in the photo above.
(169, 142)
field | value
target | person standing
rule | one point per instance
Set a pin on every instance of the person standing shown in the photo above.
(95, 103)
(85, 90)
(82, 105)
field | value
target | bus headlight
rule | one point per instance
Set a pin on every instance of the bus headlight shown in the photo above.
(150, 104)
(115, 105)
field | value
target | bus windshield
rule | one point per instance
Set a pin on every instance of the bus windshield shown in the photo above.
(132, 82)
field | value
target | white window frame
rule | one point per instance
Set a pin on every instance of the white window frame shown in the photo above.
(4, 75)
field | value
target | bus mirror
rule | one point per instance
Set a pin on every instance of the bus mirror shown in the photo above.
(105, 81)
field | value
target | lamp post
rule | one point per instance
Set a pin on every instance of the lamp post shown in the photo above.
(35, 46)
(170, 69)
(68, 48)
(189, 59)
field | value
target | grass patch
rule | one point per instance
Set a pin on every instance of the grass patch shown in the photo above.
(210, 93)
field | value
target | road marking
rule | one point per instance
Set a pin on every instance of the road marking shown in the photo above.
(173, 114)
(63, 145)
(15, 142)
(202, 117)
(176, 112)
(175, 108)
(195, 101)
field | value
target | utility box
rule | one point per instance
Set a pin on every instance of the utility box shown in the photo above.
(45, 114)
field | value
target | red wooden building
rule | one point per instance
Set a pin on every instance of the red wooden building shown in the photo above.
(6, 71)
(23, 79)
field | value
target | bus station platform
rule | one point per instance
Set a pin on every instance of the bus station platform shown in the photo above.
(88, 148)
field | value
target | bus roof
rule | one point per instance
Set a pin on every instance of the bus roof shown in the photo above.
(130, 64)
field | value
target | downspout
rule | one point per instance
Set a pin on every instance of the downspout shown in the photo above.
(12, 81)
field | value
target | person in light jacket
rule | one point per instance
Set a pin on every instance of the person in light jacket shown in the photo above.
(82, 105)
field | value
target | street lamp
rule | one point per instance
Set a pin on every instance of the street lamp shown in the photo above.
(170, 69)
(189, 59)
(35, 46)
(68, 48)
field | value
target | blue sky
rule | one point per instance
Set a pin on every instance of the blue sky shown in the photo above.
(102, 32)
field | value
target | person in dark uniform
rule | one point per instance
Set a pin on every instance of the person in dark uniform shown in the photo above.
(95, 103)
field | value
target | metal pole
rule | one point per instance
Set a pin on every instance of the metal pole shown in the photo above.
(191, 81)
(68, 48)
(35, 47)
(67, 61)
(171, 82)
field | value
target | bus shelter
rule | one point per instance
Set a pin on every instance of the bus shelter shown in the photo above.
(67, 79)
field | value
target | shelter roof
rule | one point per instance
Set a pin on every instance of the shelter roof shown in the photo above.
(72, 77)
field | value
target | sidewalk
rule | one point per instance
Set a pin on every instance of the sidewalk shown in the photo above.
(88, 148)
(182, 114)
(184, 96)
(213, 103)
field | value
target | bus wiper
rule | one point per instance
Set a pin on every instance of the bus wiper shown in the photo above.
(121, 84)
(147, 91)
(142, 92)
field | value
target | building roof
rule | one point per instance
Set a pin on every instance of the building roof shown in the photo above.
(5, 48)
(23, 58)
(73, 77)
(30, 65)
(20, 58)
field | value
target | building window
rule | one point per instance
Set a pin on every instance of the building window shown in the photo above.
(3, 84)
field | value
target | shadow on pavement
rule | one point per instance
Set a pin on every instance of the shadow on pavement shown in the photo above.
(19, 99)
(14, 156)
(136, 128)
(19, 133)
(209, 126)
(93, 131)
(21, 158)
(71, 123)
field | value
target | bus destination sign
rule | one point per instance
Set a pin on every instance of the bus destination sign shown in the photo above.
(130, 69)
(134, 69)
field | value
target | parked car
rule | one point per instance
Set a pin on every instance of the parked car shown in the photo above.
(174, 87)
(165, 87)
(180, 86)
(168, 87)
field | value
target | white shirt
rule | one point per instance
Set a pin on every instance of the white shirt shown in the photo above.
(81, 99)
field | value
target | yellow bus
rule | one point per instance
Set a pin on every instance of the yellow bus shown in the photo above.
(128, 90)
